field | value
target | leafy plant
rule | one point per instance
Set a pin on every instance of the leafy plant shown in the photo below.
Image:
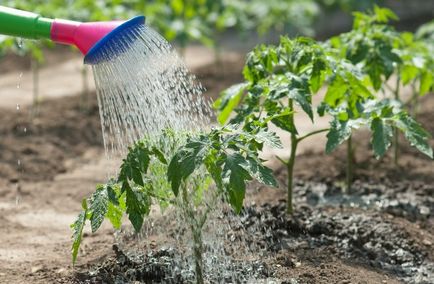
(381, 52)
(279, 77)
(177, 171)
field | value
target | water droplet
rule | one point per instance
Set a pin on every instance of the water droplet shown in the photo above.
(25, 129)
(20, 43)
(19, 162)
(18, 106)
(19, 80)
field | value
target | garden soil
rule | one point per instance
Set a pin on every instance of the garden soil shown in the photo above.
(379, 232)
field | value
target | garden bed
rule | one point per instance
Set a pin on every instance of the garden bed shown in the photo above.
(380, 232)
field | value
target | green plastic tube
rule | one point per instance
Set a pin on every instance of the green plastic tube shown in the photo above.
(24, 24)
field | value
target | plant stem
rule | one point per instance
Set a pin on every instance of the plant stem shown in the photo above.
(312, 133)
(290, 164)
(196, 231)
(350, 166)
(290, 170)
(395, 130)
(198, 254)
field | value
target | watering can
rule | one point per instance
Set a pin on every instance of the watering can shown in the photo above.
(90, 38)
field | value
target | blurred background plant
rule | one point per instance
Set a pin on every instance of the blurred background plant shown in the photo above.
(189, 21)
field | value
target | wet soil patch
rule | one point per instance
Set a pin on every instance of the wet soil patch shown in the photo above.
(380, 231)
(160, 265)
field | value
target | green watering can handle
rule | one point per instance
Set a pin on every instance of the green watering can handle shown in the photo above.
(24, 24)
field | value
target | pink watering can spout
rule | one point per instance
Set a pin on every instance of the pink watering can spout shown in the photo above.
(83, 35)
(98, 41)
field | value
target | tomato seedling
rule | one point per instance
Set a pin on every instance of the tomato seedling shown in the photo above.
(381, 52)
(177, 171)
(278, 77)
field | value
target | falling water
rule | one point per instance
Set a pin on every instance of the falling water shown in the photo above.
(145, 88)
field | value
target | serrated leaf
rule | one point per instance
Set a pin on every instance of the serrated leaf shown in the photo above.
(98, 207)
(408, 73)
(283, 121)
(77, 231)
(303, 99)
(338, 133)
(137, 177)
(160, 156)
(384, 14)
(186, 160)
(228, 100)
(268, 138)
(138, 205)
(112, 193)
(374, 73)
(414, 133)
(317, 76)
(174, 175)
(336, 92)
(114, 214)
(260, 172)
(381, 136)
(215, 171)
(426, 82)
(235, 179)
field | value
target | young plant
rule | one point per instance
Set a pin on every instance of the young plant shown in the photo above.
(279, 77)
(381, 52)
(276, 79)
(226, 156)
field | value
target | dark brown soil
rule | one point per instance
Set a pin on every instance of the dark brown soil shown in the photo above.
(413, 168)
(380, 232)
(35, 147)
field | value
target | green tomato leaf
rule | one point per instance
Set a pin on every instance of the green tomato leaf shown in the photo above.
(77, 231)
(235, 177)
(268, 138)
(338, 133)
(304, 99)
(408, 73)
(260, 172)
(98, 207)
(382, 136)
(336, 92)
(186, 160)
(114, 214)
(414, 133)
(317, 77)
(426, 82)
(138, 205)
(229, 99)
(160, 156)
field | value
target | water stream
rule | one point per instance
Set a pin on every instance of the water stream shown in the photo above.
(145, 88)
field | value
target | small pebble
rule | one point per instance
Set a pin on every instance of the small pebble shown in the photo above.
(297, 264)
(37, 268)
